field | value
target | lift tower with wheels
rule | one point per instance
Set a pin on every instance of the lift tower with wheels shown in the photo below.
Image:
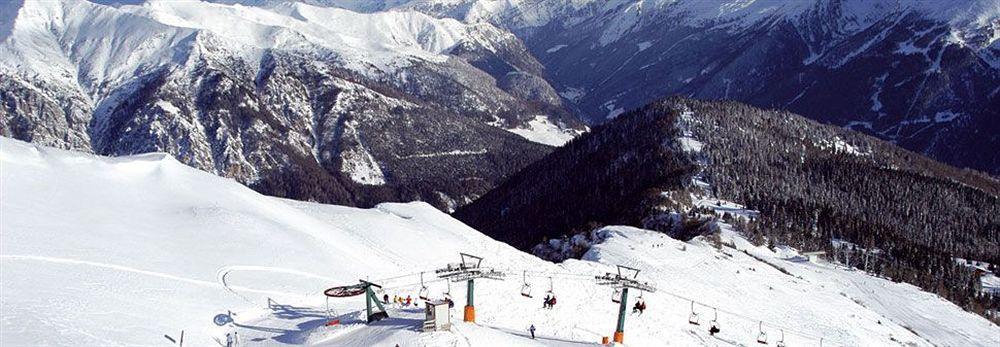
(468, 270)
(365, 288)
(623, 280)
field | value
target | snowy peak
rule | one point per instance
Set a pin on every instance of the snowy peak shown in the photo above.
(74, 41)
(533, 13)
(333, 28)
(127, 38)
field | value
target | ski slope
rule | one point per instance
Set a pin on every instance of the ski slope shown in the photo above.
(122, 251)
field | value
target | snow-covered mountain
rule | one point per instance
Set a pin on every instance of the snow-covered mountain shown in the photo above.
(314, 103)
(130, 250)
(924, 74)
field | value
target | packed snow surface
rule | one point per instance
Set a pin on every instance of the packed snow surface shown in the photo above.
(126, 251)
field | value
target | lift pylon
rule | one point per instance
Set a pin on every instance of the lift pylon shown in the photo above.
(469, 269)
(365, 288)
(623, 281)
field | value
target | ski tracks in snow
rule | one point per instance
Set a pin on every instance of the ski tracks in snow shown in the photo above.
(224, 271)
(107, 266)
(220, 275)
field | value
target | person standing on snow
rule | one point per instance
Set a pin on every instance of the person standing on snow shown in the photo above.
(408, 301)
(532, 330)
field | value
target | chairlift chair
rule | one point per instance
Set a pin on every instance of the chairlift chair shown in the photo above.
(616, 296)
(447, 292)
(423, 288)
(551, 293)
(526, 288)
(713, 325)
(781, 343)
(693, 318)
(762, 336)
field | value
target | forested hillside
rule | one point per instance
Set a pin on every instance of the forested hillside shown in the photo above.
(814, 185)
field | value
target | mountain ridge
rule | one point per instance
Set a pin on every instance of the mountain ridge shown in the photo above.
(921, 74)
(282, 98)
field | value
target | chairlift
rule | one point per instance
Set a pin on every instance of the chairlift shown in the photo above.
(693, 318)
(423, 288)
(616, 296)
(713, 325)
(762, 336)
(781, 343)
(447, 292)
(526, 288)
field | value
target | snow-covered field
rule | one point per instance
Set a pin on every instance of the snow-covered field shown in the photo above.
(541, 130)
(122, 251)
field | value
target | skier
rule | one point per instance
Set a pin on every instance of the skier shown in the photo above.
(713, 330)
(545, 302)
(552, 302)
(409, 300)
(640, 307)
(385, 298)
(451, 304)
(532, 330)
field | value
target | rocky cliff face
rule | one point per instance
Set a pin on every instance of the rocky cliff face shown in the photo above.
(277, 105)
(921, 74)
